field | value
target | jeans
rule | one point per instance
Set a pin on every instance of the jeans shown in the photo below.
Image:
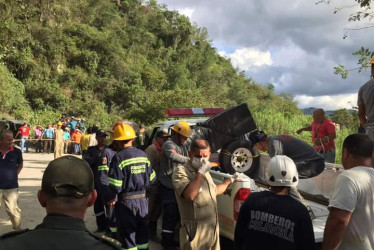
(24, 142)
(329, 156)
(77, 148)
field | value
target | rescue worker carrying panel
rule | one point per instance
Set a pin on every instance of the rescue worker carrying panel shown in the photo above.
(130, 175)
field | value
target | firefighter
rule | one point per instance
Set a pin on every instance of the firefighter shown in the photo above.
(96, 158)
(174, 152)
(103, 171)
(273, 219)
(309, 163)
(130, 175)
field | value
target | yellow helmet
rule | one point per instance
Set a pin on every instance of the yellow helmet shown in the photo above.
(182, 128)
(123, 132)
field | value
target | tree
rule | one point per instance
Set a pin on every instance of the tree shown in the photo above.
(364, 13)
(344, 118)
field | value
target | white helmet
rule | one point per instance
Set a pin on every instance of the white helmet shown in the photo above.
(281, 171)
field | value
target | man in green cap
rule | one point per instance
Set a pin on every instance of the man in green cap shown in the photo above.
(67, 191)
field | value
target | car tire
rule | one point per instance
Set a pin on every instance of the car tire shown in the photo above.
(239, 156)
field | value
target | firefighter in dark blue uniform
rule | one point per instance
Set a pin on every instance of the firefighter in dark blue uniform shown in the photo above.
(103, 171)
(130, 175)
(96, 158)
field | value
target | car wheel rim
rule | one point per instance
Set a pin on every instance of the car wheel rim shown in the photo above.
(241, 159)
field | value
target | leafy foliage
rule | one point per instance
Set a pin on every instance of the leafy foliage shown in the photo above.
(365, 13)
(111, 60)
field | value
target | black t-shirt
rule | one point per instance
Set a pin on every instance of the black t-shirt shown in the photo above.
(270, 221)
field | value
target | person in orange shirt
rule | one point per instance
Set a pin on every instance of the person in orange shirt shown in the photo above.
(76, 138)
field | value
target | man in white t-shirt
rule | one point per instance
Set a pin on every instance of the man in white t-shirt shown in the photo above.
(350, 223)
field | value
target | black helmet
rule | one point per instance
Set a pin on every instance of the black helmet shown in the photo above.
(256, 136)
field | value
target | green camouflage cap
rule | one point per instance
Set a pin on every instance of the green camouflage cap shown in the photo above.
(68, 176)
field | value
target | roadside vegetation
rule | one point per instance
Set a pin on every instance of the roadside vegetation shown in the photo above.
(121, 60)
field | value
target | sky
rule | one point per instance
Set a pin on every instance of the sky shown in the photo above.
(293, 45)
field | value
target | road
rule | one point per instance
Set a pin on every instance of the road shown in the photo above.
(29, 184)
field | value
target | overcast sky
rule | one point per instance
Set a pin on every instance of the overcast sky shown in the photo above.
(292, 44)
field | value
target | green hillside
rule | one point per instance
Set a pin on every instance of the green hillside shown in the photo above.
(109, 60)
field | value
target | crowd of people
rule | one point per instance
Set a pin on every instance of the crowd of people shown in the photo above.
(67, 135)
(130, 188)
(123, 182)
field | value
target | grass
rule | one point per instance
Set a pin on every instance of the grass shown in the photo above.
(273, 123)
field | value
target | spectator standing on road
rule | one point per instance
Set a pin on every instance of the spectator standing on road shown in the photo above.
(350, 222)
(11, 163)
(47, 138)
(154, 152)
(273, 219)
(67, 191)
(96, 158)
(66, 140)
(365, 102)
(59, 141)
(93, 141)
(323, 135)
(72, 124)
(76, 138)
(196, 197)
(24, 131)
(309, 162)
(142, 137)
(130, 175)
(38, 131)
(174, 152)
(85, 141)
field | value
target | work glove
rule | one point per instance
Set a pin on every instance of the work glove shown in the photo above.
(205, 166)
(236, 177)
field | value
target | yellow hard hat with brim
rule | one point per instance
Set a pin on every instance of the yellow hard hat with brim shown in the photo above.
(123, 132)
(182, 128)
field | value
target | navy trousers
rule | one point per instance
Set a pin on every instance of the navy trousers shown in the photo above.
(132, 223)
(170, 217)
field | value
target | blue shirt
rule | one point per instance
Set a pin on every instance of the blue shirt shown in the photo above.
(8, 168)
(66, 136)
(48, 133)
(72, 124)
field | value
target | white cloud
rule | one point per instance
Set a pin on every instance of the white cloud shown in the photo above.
(327, 102)
(187, 12)
(292, 44)
(246, 58)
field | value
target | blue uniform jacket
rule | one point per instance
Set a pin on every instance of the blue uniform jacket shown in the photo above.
(130, 172)
(94, 158)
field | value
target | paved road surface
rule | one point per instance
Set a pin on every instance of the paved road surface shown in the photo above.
(29, 182)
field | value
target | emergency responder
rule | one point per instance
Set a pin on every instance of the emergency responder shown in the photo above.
(103, 171)
(273, 219)
(196, 197)
(309, 162)
(67, 191)
(130, 175)
(323, 135)
(154, 155)
(174, 152)
(96, 158)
